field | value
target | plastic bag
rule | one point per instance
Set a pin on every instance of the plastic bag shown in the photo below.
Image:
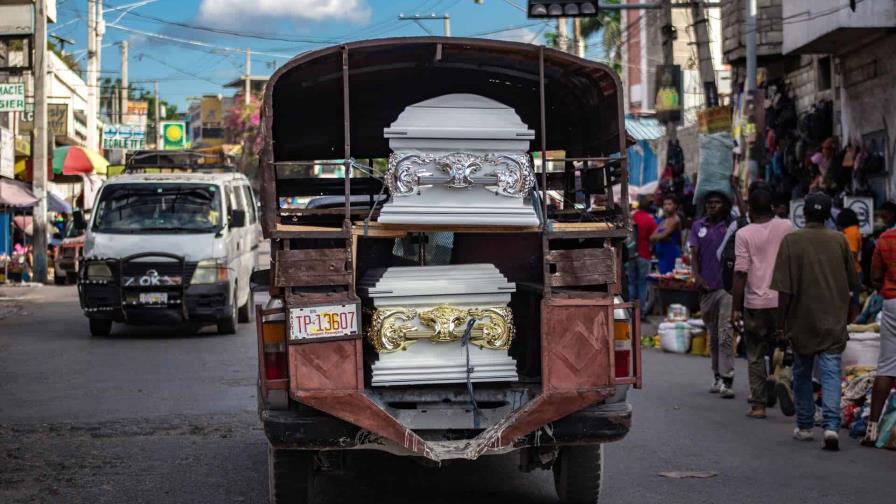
(675, 337)
(716, 166)
(677, 313)
(886, 429)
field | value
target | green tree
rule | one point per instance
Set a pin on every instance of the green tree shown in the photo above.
(66, 58)
(607, 23)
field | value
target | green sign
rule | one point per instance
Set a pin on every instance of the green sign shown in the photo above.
(12, 97)
(174, 135)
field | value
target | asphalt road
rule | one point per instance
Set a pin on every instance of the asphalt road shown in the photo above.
(163, 416)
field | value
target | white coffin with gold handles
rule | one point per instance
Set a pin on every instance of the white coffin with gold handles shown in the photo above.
(421, 314)
(459, 159)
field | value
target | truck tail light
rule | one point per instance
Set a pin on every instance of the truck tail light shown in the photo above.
(622, 347)
(274, 349)
(626, 345)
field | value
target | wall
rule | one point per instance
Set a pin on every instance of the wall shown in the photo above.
(816, 21)
(768, 27)
(867, 99)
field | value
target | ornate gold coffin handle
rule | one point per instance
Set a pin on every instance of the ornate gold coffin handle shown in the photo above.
(391, 329)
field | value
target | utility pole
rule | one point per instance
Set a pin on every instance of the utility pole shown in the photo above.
(750, 84)
(124, 81)
(91, 75)
(41, 144)
(100, 29)
(668, 31)
(247, 86)
(577, 40)
(446, 19)
(562, 35)
(158, 114)
(707, 72)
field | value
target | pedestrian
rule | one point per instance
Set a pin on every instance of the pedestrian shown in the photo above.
(814, 275)
(667, 237)
(848, 224)
(705, 238)
(639, 266)
(754, 303)
(883, 278)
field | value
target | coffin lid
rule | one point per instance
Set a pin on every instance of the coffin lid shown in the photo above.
(459, 115)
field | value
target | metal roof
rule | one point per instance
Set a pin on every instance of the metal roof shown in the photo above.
(644, 128)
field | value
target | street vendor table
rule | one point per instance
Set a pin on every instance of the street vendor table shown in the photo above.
(672, 290)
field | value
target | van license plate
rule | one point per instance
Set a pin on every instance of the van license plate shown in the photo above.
(154, 298)
(315, 322)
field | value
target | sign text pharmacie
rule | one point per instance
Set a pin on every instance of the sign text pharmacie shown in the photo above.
(124, 136)
(12, 97)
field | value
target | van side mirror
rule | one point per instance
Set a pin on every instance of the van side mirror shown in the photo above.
(260, 281)
(78, 218)
(237, 218)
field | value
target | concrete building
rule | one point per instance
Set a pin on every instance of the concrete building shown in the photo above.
(206, 120)
(836, 65)
(853, 52)
(256, 84)
(642, 51)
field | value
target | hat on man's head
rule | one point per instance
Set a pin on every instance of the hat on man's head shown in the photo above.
(817, 207)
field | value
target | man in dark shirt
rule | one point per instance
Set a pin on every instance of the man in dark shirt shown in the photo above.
(639, 266)
(705, 238)
(814, 274)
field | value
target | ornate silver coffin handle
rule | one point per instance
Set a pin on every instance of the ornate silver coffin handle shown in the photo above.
(512, 172)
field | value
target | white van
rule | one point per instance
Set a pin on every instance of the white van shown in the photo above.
(170, 248)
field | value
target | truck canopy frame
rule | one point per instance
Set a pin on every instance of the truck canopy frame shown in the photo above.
(574, 105)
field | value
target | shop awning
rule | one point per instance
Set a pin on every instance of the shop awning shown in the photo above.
(643, 128)
(56, 203)
(15, 194)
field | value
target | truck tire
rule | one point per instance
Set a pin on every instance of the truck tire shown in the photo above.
(100, 327)
(290, 476)
(247, 310)
(578, 474)
(227, 325)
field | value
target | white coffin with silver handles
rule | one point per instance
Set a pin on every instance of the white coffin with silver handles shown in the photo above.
(420, 314)
(459, 159)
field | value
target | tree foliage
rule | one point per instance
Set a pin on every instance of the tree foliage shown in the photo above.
(608, 24)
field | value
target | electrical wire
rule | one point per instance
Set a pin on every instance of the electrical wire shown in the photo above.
(176, 69)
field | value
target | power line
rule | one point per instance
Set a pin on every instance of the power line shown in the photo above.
(176, 69)
(193, 42)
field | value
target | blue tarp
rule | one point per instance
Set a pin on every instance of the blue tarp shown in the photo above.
(642, 165)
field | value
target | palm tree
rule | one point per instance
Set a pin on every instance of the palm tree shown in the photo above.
(608, 23)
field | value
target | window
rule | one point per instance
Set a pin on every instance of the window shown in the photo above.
(250, 204)
(158, 208)
(823, 73)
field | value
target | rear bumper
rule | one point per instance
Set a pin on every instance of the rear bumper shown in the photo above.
(200, 303)
(314, 430)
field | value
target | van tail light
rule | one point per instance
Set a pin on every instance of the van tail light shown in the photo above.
(626, 345)
(274, 350)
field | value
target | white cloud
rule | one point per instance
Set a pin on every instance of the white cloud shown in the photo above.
(519, 35)
(233, 13)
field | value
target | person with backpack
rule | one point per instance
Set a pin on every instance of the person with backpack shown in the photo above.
(754, 302)
(705, 238)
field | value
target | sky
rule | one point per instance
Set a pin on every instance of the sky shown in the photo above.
(193, 47)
